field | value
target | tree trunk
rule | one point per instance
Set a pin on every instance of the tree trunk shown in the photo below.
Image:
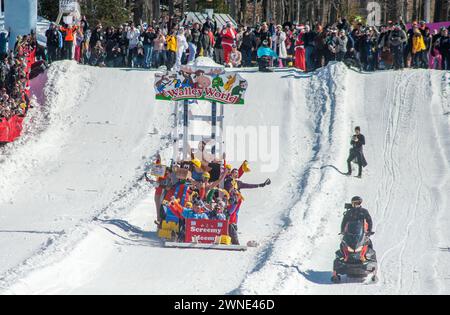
(233, 9)
(243, 10)
(193, 5)
(156, 10)
(138, 11)
(255, 5)
(266, 9)
(171, 8)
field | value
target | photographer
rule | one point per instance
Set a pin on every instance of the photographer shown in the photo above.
(355, 212)
(356, 152)
(397, 39)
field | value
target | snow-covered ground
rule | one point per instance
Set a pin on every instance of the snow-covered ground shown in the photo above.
(77, 218)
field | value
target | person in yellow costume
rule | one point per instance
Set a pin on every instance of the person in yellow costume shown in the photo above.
(419, 50)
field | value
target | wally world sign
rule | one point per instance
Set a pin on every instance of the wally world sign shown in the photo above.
(207, 84)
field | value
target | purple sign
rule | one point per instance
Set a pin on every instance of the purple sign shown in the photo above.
(432, 26)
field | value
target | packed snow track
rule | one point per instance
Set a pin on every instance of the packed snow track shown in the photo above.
(76, 216)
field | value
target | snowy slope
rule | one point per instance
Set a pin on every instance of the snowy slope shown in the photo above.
(405, 187)
(93, 149)
(104, 241)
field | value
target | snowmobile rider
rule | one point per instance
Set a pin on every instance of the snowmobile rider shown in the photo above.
(357, 213)
(356, 152)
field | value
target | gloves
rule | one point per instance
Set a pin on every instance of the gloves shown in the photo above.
(266, 183)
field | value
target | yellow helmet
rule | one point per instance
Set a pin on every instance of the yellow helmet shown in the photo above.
(189, 205)
(229, 167)
(206, 175)
(197, 163)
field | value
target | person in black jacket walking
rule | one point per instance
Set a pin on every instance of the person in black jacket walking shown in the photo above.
(356, 152)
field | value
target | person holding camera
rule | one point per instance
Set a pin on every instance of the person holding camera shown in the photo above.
(356, 152)
(355, 212)
(397, 40)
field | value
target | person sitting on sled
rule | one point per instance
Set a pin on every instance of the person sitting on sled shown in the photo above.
(205, 186)
(197, 171)
(160, 185)
(192, 210)
(197, 211)
(234, 186)
(218, 212)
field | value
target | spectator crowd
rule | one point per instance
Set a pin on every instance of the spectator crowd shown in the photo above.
(15, 67)
(307, 47)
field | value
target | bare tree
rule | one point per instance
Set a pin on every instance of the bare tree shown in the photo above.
(193, 5)
(243, 11)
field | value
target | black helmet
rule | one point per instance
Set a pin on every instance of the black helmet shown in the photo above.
(357, 199)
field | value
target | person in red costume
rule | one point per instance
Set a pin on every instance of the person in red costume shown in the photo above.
(229, 35)
(300, 52)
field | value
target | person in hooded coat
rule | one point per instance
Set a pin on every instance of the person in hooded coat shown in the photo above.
(356, 152)
(279, 42)
(300, 51)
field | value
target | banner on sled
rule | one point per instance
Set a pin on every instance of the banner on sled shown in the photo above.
(158, 170)
(201, 83)
(205, 231)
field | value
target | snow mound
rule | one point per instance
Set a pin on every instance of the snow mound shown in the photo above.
(206, 62)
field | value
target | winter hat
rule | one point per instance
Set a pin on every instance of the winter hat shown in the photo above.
(197, 163)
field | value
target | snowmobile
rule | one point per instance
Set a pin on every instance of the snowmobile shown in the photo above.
(356, 257)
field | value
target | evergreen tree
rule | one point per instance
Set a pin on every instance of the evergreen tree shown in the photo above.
(48, 9)
(108, 12)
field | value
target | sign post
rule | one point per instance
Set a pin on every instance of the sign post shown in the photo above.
(199, 83)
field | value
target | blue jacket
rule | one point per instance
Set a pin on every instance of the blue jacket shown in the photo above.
(266, 51)
(190, 214)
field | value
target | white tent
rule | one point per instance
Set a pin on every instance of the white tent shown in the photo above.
(197, 17)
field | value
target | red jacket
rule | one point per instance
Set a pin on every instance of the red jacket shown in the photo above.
(229, 36)
(69, 33)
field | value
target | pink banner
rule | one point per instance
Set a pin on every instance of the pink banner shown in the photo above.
(432, 26)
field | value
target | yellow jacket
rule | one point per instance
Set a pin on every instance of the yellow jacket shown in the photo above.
(418, 43)
(171, 43)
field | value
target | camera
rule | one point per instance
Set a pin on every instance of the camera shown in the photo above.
(348, 206)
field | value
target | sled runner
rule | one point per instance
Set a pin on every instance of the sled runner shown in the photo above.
(205, 246)
(199, 234)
